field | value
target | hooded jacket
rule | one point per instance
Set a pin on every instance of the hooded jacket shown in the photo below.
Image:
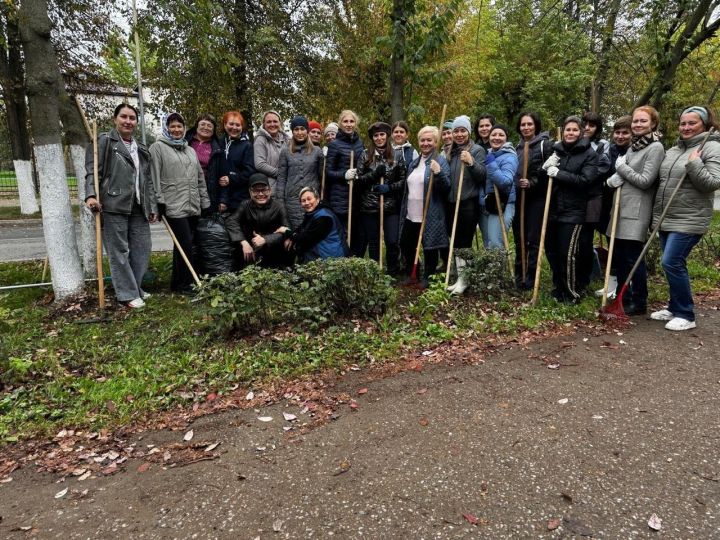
(540, 148)
(692, 208)
(338, 162)
(501, 173)
(578, 171)
(405, 154)
(266, 153)
(297, 170)
(368, 176)
(116, 172)
(239, 166)
(178, 179)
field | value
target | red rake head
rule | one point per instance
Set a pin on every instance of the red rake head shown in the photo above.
(614, 311)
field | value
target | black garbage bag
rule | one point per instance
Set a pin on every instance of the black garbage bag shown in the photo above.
(212, 252)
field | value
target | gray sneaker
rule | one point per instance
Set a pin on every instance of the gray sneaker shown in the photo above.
(662, 315)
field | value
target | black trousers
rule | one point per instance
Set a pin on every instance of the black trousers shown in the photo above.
(184, 230)
(369, 238)
(626, 253)
(534, 208)
(408, 245)
(562, 246)
(468, 216)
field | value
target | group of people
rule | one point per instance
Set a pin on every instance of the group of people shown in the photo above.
(323, 192)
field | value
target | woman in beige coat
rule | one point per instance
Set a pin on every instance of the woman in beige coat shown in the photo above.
(181, 192)
(636, 176)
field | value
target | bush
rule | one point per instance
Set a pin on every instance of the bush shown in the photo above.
(259, 298)
(487, 273)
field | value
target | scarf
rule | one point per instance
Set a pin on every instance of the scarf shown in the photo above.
(642, 141)
(166, 133)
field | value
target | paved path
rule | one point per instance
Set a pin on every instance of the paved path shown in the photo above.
(22, 240)
(626, 427)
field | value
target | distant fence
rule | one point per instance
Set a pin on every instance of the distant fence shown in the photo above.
(8, 180)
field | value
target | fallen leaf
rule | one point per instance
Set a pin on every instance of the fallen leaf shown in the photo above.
(471, 519)
(212, 447)
(353, 404)
(250, 395)
(428, 353)
(212, 396)
(422, 391)
(143, 467)
(189, 435)
(362, 391)
(344, 467)
(278, 525)
(6, 480)
(553, 524)
(597, 417)
(61, 494)
(655, 523)
(563, 401)
(195, 406)
(289, 417)
(265, 418)
(111, 406)
(84, 476)
(424, 421)
(553, 366)
(110, 469)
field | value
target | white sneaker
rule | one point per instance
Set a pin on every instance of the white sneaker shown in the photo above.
(144, 295)
(460, 285)
(136, 304)
(612, 289)
(662, 315)
(679, 324)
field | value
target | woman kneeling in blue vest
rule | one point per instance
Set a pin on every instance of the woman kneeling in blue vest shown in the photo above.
(320, 236)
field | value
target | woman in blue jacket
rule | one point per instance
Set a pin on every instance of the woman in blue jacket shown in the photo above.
(501, 164)
(435, 237)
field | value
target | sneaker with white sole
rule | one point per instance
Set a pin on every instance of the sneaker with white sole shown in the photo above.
(135, 304)
(678, 324)
(612, 288)
(144, 295)
(662, 315)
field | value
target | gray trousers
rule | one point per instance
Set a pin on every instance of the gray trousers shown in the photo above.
(127, 244)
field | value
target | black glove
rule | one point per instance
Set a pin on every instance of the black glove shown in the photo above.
(380, 171)
(383, 189)
(206, 212)
(161, 210)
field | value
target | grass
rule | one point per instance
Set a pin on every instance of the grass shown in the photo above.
(62, 371)
(13, 212)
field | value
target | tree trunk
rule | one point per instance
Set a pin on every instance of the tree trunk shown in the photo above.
(77, 138)
(603, 65)
(43, 75)
(239, 17)
(12, 79)
(397, 63)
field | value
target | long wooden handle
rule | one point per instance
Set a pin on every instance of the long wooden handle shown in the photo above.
(454, 225)
(611, 247)
(350, 198)
(538, 269)
(382, 223)
(181, 250)
(322, 182)
(98, 223)
(501, 218)
(523, 255)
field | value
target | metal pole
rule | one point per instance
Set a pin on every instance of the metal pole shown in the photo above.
(139, 74)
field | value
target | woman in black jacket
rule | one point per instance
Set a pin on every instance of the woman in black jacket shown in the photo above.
(379, 174)
(203, 139)
(573, 165)
(534, 186)
(338, 173)
(238, 165)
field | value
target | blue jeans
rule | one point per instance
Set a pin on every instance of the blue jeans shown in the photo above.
(676, 248)
(490, 226)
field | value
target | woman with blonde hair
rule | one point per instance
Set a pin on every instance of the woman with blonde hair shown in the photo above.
(269, 140)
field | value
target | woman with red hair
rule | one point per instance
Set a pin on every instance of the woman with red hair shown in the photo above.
(238, 163)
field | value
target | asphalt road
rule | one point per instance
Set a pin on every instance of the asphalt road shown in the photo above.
(22, 240)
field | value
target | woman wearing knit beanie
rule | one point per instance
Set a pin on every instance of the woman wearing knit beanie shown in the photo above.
(269, 140)
(315, 132)
(299, 166)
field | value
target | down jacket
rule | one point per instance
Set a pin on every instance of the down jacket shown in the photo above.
(116, 172)
(501, 173)
(266, 154)
(692, 207)
(338, 162)
(178, 179)
(435, 234)
(239, 166)
(578, 171)
(640, 173)
(474, 177)
(297, 170)
(368, 176)
(539, 149)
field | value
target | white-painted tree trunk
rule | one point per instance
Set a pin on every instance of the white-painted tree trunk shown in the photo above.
(26, 186)
(58, 226)
(87, 220)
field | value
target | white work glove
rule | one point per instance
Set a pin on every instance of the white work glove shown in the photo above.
(620, 161)
(552, 161)
(615, 181)
(351, 174)
(552, 171)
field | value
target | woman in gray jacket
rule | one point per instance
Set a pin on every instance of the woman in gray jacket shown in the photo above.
(689, 215)
(127, 201)
(636, 176)
(269, 140)
(299, 166)
(181, 192)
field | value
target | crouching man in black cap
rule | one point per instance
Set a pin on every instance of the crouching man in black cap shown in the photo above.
(254, 224)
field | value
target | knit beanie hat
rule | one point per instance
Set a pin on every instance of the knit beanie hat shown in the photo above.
(503, 127)
(447, 125)
(462, 121)
(299, 121)
(312, 124)
(332, 127)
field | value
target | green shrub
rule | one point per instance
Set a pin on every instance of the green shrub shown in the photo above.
(430, 302)
(259, 298)
(487, 273)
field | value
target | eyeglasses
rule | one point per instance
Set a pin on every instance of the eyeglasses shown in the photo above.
(260, 190)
